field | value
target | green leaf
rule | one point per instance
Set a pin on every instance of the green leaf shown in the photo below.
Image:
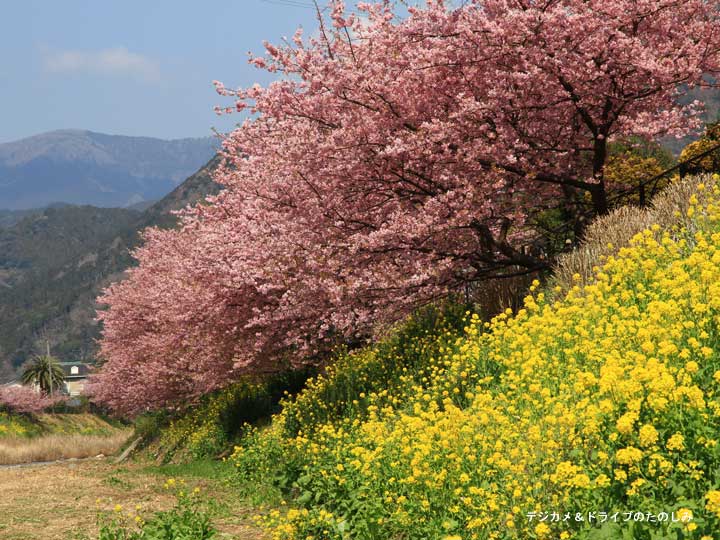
(305, 498)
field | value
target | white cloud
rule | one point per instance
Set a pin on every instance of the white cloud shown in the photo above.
(116, 61)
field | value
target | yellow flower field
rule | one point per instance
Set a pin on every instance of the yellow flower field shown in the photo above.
(589, 415)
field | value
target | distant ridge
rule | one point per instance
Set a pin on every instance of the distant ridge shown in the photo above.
(84, 167)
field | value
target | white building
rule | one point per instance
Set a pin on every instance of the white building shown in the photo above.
(76, 374)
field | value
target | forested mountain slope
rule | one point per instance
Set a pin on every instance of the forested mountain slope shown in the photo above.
(54, 262)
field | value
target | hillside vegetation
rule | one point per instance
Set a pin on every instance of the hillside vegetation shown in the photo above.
(54, 262)
(53, 424)
(51, 264)
(597, 400)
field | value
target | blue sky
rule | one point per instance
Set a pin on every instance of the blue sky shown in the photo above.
(132, 67)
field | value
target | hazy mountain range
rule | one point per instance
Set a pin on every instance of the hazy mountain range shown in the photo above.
(83, 167)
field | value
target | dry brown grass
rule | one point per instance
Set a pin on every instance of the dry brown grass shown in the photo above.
(61, 501)
(54, 447)
(609, 233)
(494, 296)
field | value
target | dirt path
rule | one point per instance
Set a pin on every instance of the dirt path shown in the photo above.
(61, 501)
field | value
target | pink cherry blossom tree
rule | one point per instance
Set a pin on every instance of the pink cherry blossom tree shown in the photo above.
(23, 399)
(394, 161)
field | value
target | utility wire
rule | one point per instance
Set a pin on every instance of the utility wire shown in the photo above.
(290, 3)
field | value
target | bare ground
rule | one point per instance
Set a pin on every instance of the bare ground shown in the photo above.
(61, 501)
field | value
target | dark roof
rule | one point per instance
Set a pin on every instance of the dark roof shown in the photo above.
(83, 370)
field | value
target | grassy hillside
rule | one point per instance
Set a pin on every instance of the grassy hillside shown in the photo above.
(54, 424)
(598, 399)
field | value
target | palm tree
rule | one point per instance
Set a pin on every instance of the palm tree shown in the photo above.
(45, 371)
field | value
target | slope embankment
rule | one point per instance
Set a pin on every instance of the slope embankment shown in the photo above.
(51, 437)
(598, 400)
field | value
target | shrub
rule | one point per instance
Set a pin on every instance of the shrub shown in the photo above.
(187, 520)
(209, 428)
(607, 234)
(711, 162)
(149, 426)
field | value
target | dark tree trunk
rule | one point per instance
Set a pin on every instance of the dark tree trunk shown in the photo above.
(598, 191)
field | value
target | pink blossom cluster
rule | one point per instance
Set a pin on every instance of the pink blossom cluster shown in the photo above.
(23, 399)
(394, 161)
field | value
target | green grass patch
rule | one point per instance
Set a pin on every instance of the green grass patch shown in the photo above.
(201, 468)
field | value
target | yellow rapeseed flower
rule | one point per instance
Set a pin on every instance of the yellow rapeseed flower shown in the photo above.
(648, 435)
(676, 442)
